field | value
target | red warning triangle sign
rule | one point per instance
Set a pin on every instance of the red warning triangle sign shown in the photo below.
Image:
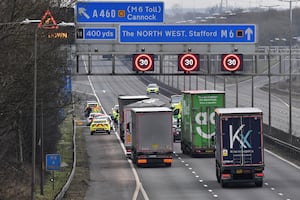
(48, 21)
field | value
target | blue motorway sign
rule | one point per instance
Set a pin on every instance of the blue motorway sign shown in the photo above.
(210, 33)
(52, 162)
(115, 12)
(103, 33)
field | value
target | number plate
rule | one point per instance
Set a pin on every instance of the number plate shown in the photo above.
(239, 171)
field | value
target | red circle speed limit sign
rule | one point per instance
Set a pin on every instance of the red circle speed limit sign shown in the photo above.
(143, 62)
(188, 62)
(232, 62)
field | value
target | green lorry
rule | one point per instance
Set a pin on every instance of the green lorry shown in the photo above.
(198, 121)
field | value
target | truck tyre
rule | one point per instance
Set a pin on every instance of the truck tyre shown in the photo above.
(218, 175)
(108, 132)
(183, 148)
(92, 132)
(168, 164)
(259, 183)
(133, 157)
(224, 185)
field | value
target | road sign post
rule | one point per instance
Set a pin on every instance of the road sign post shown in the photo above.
(53, 162)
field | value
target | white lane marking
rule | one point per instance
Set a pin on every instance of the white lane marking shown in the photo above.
(92, 86)
(139, 185)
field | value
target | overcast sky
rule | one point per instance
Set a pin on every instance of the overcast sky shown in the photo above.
(229, 3)
(209, 3)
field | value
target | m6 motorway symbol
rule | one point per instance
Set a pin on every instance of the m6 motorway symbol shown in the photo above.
(232, 62)
(188, 62)
(143, 62)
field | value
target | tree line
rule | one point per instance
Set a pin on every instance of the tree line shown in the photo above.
(16, 88)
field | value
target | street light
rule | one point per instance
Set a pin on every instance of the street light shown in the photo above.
(290, 67)
(29, 21)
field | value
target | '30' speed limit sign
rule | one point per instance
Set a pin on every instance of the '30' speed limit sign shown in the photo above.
(143, 62)
(188, 62)
(232, 62)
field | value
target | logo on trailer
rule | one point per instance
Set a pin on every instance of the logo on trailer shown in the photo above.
(242, 138)
(188, 62)
(232, 62)
(207, 123)
(143, 62)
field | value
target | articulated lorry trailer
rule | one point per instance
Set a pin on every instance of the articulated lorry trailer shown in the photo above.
(239, 146)
(152, 102)
(198, 122)
(152, 137)
(124, 100)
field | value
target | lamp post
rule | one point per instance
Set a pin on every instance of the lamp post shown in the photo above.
(34, 114)
(28, 21)
(290, 63)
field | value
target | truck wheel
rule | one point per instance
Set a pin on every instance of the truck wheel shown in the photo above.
(183, 148)
(168, 164)
(108, 132)
(92, 132)
(133, 157)
(218, 175)
(259, 183)
(224, 185)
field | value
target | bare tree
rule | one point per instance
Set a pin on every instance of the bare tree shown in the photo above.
(16, 89)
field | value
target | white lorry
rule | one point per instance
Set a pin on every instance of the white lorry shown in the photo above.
(152, 137)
